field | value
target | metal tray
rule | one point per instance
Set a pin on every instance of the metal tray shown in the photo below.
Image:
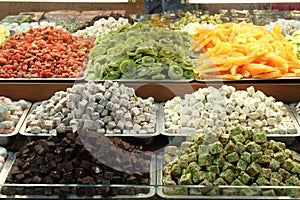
(151, 186)
(292, 108)
(19, 124)
(23, 127)
(159, 126)
(43, 79)
(162, 188)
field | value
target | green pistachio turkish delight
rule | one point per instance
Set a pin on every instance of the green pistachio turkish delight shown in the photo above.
(265, 159)
(262, 181)
(274, 182)
(175, 170)
(268, 193)
(183, 161)
(244, 177)
(211, 176)
(240, 147)
(238, 138)
(213, 168)
(274, 165)
(241, 165)
(235, 131)
(205, 160)
(186, 179)
(236, 182)
(192, 157)
(260, 137)
(199, 138)
(230, 147)
(224, 138)
(215, 148)
(284, 173)
(266, 172)
(193, 167)
(248, 134)
(228, 176)
(228, 165)
(219, 181)
(257, 156)
(246, 156)
(253, 169)
(253, 147)
(199, 176)
(277, 176)
(203, 149)
(233, 157)
(296, 168)
(206, 183)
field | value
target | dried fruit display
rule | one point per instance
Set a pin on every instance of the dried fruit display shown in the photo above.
(239, 51)
(45, 52)
(141, 52)
(237, 157)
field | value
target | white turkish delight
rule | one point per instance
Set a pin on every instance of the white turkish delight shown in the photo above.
(205, 114)
(109, 131)
(135, 111)
(35, 123)
(229, 108)
(43, 130)
(99, 108)
(49, 124)
(58, 107)
(128, 125)
(109, 105)
(136, 127)
(253, 115)
(127, 116)
(119, 114)
(85, 94)
(104, 113)
(235, 122)
(242, 117)
(209, 122)
(270, 113)
(83, 103)
(234, 115)
(49, 106)
(129, 91)
(89, 124)
(98, 123)
(107, 84)
(103, 102)
(107, 119)
(259, 94)
(124, 103)
(95, 116)
(35, 129)
(60, 115)
(111, 125)
(6, 124)
(142, 131)
(100, 131)
(107, 95)
(115, 107)
(213, 115)
(117, 131)
(52, 112)
(250, 90)
(208, 106)
(219, 123)
(101, 88)
(291, 130)
(70, 105)
(98, 96)
(257, 124)
(114, 99)
(186, 110)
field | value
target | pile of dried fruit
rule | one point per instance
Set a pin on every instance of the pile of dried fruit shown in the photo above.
(45, 52)
(234, 158)
(237, 51)
(141, 52)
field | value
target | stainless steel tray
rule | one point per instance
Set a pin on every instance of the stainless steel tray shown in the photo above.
(162, 190)
(159, 126)
(19, 124)
(150, 187)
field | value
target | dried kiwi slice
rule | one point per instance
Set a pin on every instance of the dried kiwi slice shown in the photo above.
(96, 51)
(167, 52)
(147, 51)
(116, 51)
(175, 72)
(188, 74)
(148, 60)
(127, 67)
